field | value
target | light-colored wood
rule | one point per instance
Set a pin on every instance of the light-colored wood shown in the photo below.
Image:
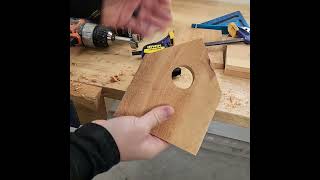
(194, 107)
(234, 106)
(96, 67)
(87, 115)
(88, 101)
(215, 52)
(238, 60)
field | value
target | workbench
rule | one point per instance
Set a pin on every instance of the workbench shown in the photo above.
(92, 71)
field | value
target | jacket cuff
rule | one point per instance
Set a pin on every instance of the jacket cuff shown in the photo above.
(104, 144)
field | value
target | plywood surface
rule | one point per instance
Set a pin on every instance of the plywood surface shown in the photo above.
(96, 67)
(153, 86)
(238, 60)
(215, 52)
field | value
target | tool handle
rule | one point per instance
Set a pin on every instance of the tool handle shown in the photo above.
(242, 33)
(230, 41)
(135, 53)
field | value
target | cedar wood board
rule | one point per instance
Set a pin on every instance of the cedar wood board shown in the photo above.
(194, 107)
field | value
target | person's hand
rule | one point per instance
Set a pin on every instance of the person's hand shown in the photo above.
(132, 134)
(153, 15)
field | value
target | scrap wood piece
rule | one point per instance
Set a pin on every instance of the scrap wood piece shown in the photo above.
(194, 107)
(238, 60)
(234, 106)
(88, 97)
(215, 52)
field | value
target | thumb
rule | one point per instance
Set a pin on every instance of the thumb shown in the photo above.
(156, 116)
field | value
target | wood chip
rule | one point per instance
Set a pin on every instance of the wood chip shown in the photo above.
(115, 78)
(83, 77)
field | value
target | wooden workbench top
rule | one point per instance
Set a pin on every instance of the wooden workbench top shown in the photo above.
(96, 67)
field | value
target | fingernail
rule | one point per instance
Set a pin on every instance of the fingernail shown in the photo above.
(168, 111)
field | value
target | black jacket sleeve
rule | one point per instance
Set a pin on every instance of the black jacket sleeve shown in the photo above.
(84, 8)
(92, 151)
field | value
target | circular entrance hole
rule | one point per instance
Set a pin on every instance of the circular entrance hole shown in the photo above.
(182, 77)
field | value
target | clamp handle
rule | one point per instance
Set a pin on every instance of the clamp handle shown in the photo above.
(239, 32)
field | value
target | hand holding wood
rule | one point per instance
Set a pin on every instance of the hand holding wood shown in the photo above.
(132, 134)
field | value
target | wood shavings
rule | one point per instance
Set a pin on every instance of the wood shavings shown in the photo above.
(121, 73)
(76, 87)
(83, 77)
(231, 101)
(115, 78)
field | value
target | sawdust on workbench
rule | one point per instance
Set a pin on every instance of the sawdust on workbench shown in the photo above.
(231, 101)
(116, 78)
(76, 86)
(78, 89)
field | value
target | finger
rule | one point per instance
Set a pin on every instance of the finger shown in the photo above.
(127, 12)
(156, 116)
(107, 21)
(151, 30)
(138, 26)
(146, 30)
(149, 4)
(167, 2)
(160, 23)
(134, 26)
(162, 12)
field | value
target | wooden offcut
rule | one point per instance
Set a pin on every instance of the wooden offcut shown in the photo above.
(207, 35)
(88, 101)
(152, 86)
(238, 60)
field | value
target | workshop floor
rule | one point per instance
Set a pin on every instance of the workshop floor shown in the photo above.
(174, 164)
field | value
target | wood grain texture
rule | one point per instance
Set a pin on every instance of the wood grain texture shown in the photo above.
(95, 67)
(238, 60)
(88, 101)
(194, 107)
(215, 52)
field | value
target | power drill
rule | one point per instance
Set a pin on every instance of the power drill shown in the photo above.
(93, 35)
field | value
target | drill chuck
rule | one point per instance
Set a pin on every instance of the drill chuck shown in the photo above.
(94, 35)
